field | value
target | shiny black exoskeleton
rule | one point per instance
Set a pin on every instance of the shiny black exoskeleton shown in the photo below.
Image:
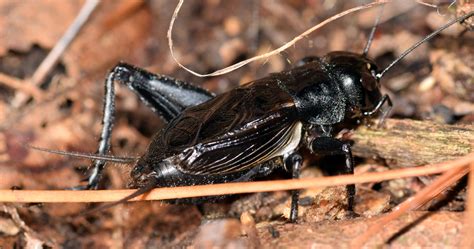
(251, 130)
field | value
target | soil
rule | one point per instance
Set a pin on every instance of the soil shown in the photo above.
(434, 83)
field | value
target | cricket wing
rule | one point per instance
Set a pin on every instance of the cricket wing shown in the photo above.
(244, 148)
(232, 132)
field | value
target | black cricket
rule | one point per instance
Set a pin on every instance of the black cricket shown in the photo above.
(253, 129)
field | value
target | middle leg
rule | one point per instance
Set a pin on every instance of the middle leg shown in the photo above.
(293, 162)
(332, 146)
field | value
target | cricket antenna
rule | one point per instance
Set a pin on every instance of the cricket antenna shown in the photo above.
(372, 32)
(149, 186)
(115, 159)
(427, 38)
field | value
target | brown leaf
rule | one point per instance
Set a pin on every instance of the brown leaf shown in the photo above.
(28, 22)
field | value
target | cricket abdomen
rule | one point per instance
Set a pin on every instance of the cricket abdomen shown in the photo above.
(170, 176)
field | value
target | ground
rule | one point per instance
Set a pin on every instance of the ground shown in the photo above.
(433, 84)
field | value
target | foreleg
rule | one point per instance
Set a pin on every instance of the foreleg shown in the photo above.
(332, 146)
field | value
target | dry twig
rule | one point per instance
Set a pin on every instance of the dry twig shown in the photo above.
(52, 58)
(427, 4)
(406, 142)
(227, 188)
(20, 85)
(266, 55)
(444, 181)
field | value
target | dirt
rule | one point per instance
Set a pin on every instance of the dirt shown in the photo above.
(435, 82)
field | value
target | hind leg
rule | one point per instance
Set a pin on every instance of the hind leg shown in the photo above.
(165, 96)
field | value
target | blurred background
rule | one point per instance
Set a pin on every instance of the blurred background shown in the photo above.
(434, 83)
